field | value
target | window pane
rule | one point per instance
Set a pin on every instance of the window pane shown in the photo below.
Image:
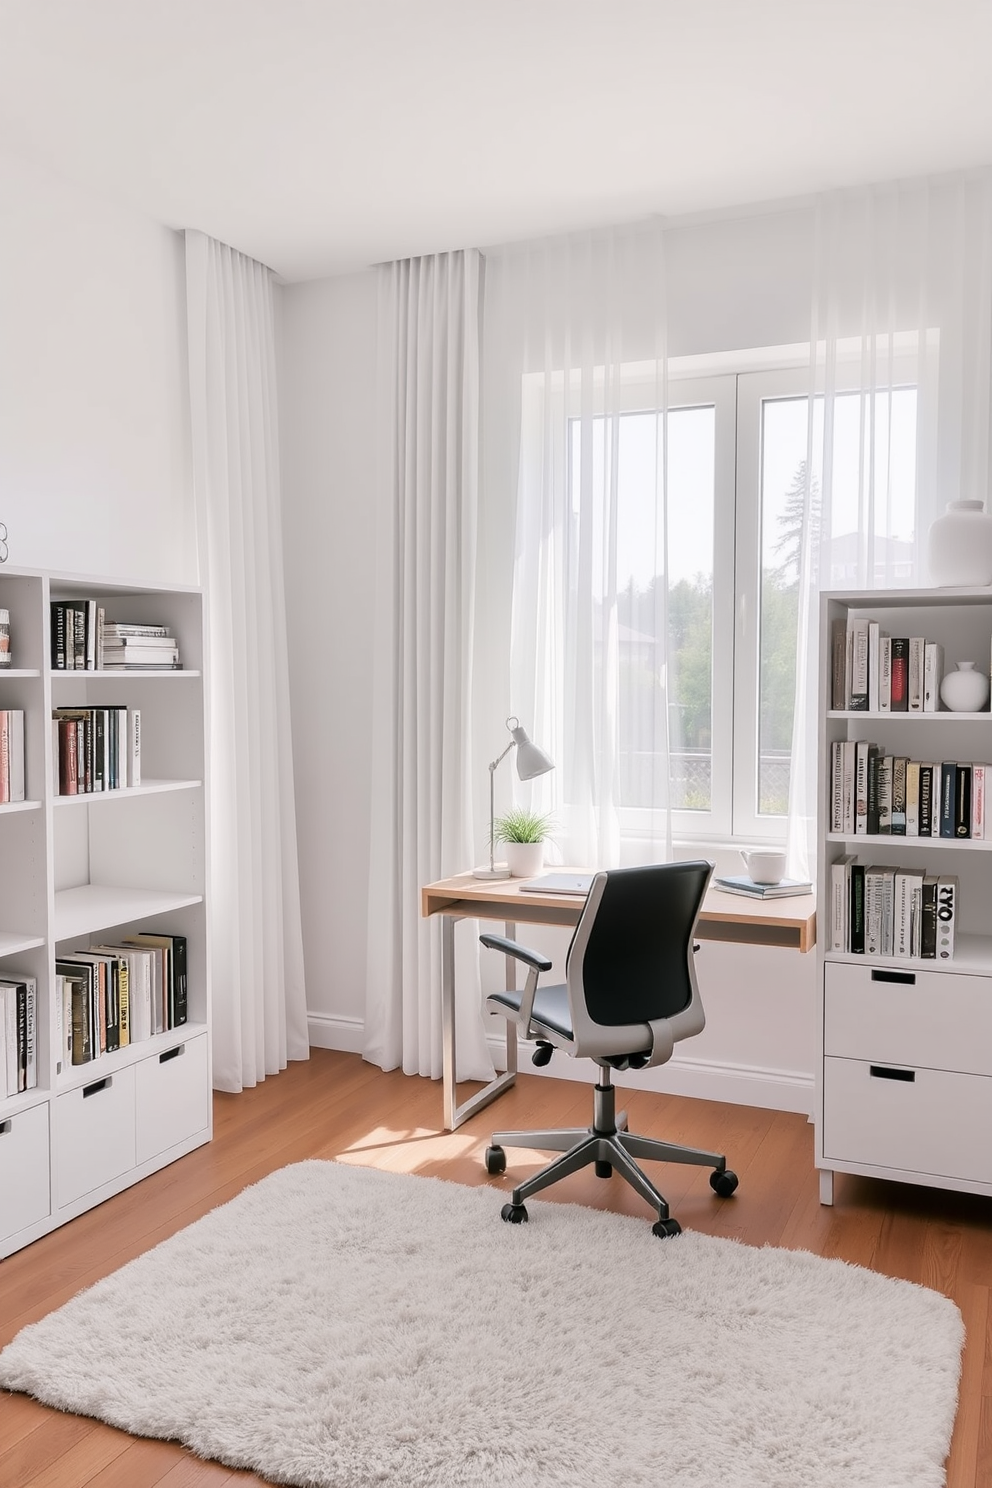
(640, 538)
(870, 541)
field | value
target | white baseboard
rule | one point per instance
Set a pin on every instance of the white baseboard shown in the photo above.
(738, 1085)
(346, 1034)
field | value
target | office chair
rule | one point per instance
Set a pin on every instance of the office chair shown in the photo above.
(629, 996)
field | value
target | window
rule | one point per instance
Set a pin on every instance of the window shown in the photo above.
(715, 572)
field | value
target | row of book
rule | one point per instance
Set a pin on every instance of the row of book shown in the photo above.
(876, 673)
(18, 1034)
(83, 639)
(96, 749)
(876, 794)
(110, 996)
(11, 754)
(878, 910)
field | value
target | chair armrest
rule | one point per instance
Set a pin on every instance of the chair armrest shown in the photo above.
(533, 959)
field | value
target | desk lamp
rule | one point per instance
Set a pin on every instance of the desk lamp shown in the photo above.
(531, 762)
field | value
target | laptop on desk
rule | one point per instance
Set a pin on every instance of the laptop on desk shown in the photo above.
(559, 883)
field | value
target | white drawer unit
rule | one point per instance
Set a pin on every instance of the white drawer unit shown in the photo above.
(917, 1122)
(94, 1135)
(172, 1098)
(908, 1016)
(25, 1190)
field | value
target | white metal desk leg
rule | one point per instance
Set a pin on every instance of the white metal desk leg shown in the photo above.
(455, 1114)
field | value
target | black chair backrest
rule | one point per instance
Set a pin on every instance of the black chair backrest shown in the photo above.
(636, 963)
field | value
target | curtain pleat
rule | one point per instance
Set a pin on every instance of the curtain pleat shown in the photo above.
(422, 746)
(256, 950)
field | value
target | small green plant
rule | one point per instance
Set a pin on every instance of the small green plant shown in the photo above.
(519, 825)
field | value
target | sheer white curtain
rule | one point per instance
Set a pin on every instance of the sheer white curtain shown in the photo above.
(256, 946)
(574, 397)
(900, 345)
(422, 752)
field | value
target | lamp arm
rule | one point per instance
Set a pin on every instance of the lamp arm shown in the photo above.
(492, 805)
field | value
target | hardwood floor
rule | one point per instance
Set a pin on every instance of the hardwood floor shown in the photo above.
(335, 1106)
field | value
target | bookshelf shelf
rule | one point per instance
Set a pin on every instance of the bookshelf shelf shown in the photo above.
(75, 872)
(147, 788)
(89, 908)
(905, 1040)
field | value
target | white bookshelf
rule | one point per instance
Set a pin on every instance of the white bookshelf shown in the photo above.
(84, 869)
(904, 1083)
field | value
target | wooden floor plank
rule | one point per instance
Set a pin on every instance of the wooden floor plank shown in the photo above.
(336, 1106)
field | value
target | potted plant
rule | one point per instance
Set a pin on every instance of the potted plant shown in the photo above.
(522, 835)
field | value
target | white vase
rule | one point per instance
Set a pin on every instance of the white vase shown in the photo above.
(964, 690)
(959, 546)
(524, 859)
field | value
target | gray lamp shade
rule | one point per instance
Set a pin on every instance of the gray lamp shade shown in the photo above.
(531, 761)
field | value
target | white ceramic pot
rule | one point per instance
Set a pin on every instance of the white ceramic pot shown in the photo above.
(964, 690)
(959, 546)
(524, 859)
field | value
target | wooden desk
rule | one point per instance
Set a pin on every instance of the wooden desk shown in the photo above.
(781, 922)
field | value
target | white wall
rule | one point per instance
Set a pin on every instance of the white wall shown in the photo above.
(94, 452)
(758, 1046)
(327, 399)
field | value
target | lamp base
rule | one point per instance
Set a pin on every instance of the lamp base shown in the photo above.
(501, 872)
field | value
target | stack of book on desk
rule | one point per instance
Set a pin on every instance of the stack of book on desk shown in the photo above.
(739, 883)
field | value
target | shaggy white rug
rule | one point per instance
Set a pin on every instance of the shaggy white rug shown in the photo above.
(342, 1327)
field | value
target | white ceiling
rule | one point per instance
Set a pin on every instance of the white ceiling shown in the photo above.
(322, 135)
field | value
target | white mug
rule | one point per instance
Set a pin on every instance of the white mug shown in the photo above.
(764, 866)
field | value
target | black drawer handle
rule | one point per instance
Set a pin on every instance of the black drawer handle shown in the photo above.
(907, 978)
(880, 1072)
(172, 1054)
(96, 1087)
(5, 1127)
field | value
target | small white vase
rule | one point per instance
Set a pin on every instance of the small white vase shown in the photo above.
(959, 547)
(524, 859)
(964, 690)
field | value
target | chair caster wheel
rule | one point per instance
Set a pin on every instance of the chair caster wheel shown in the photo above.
(513, 1214)
(666, 1228)
(495, 1161)
(604, 1170)
(724, 1183)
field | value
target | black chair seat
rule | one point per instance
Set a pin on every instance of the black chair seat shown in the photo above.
(551, 1008)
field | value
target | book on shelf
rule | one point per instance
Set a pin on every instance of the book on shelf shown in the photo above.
(914, 673)
(739, 883)
(925, 814)
(885, 673)
(948, 797)
(11, 754)
(928, 918)
(19, 1016)
(912, 798)
(898, 826)
(933, 671)
(865, 754)
(840, 902)
(947, 913)
(899, 675)
(884, 791)
(978, 802)
(962, 800)
(907, 901)
(859, 665)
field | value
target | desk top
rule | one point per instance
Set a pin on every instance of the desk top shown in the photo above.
(787, 922)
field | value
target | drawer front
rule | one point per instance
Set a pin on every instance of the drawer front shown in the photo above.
(937, 1019)
(94, 1135)
(172, 1097)
(25, 1191)
(935, 1123)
